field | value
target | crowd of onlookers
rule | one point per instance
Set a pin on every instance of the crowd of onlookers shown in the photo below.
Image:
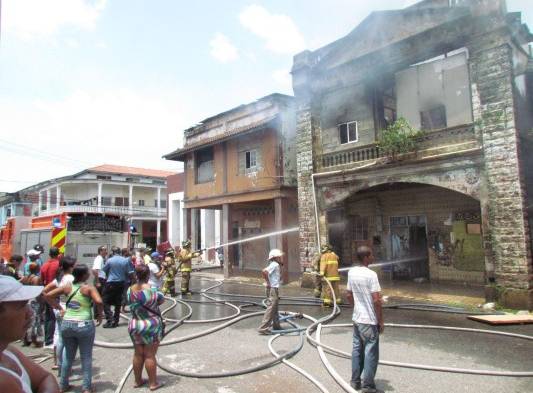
(59, 308)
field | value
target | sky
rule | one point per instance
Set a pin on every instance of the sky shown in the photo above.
(88, 82)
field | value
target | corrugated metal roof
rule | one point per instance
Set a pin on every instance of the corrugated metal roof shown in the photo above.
(128, 170)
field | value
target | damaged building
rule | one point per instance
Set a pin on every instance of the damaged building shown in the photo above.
(454, 208)
(242, 163)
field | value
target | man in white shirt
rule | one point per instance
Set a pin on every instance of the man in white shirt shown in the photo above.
(156, 272)
(364, 292)
(272, 275)
(98, 269)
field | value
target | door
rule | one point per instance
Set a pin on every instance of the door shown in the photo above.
(409, 245)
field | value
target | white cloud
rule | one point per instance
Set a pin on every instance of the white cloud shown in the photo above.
(278, 30)
(222, 49)
(29, 19)
(123, 127)
(283, 79)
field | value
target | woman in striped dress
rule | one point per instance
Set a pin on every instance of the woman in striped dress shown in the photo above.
(145, 327)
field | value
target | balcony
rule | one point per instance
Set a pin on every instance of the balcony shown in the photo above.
(115, 210)
(446, 141)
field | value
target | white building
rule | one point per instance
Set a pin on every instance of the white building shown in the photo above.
(137, 196)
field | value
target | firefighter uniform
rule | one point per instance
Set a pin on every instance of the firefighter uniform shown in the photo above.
(185, 257)
(329, 269)
(317, 278)
(169, 283)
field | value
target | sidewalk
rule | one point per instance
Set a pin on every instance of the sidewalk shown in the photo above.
(397, 291)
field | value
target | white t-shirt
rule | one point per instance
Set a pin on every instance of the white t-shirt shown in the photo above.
(363, 282)
(66, 280)
(153, 281)
(98, 264)
(273, 274)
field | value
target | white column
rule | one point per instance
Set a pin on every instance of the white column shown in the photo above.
(158, 233)
(40, 202)
(99, 194)
(130, 197)
(48, 199)
(208, 238)
(158, 205)
(58, 197)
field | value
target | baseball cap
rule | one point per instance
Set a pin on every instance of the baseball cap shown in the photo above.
(155, 254)
(33, 252)
(13, 291)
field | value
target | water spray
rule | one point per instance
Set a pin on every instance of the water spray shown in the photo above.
(387, 263)
(253, 238)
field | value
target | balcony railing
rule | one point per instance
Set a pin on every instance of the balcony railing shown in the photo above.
(431, 139)
(118, 210)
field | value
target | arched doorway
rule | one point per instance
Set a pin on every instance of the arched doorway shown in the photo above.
(429, 232)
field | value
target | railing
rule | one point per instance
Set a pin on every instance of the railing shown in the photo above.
(447, 136)
(119, 210)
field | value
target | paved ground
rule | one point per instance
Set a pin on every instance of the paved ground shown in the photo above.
(239, 346)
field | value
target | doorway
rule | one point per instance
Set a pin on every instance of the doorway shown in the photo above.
(409, 243)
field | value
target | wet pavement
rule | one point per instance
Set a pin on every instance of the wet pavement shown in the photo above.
(239, 346)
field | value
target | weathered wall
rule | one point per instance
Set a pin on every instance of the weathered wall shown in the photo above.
(507, 237)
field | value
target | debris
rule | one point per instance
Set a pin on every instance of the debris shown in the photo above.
(507, 319)
(489, 306)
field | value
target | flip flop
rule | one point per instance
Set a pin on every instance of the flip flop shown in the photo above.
(159, 385)
(140, 385)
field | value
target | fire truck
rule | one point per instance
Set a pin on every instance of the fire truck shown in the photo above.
(76, 234)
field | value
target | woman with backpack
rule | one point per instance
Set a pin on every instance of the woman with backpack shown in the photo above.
(146, 326)
(78, 325)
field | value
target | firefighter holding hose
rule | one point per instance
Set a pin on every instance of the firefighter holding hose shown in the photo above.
(329, 269)
(185, 258)
(171, 268)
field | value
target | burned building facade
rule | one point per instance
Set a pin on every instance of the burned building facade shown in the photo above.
(455, 207)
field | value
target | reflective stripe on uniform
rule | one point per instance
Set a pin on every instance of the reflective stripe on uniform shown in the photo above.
(332, 263)
(334, 278)
(186, 269)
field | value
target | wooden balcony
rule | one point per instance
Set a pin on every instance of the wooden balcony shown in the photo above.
(446, 140)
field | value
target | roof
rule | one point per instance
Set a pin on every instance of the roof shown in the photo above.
(258, 125)
(128, 170)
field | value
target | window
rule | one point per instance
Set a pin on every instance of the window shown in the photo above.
(205, 165)
(133, 179)
(120, 201)
(348, 132)
(360, 228)
(163, 204)
(158, 182)
(433, 119)
(141, 202)
(106, 201)
(103, 177)
(251, 159)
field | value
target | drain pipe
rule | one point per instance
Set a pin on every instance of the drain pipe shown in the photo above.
(321, 174)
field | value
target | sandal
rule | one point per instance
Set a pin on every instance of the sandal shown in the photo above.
(159, 385)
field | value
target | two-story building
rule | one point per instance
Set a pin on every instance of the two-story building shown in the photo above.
(455, 208)
(242, 162)
(106, 198)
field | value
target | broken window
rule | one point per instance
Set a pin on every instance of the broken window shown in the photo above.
(435, 93)
(348, 132)
(205, 165)
(251, 159)
(433, 119)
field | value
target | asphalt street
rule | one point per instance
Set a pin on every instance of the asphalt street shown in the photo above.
(239, 346)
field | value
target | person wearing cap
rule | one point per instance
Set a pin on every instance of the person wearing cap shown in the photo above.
(35, 333)
(156, 272)
(171, 269)
(17, 372)
(272, 276)
(34, 256)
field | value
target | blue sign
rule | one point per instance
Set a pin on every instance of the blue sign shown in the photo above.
(56, 222)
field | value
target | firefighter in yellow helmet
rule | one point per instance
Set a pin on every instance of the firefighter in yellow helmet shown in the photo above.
(171, 268)
(329, 269)
(185, 259)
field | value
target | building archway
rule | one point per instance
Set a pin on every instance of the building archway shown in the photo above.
(434, 230)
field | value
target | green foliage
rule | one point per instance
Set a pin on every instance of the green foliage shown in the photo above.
(399, 138)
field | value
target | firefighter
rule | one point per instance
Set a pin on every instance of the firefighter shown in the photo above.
(185, 258)
(329, 269)
(316, 269)
(171, 268)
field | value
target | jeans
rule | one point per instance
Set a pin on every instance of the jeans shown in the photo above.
(49, 324)
(59, 345)
(365, 355)
(77, 334)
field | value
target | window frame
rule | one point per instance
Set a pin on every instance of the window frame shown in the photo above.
(348, 141)
(248, 160)
(196, 165)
